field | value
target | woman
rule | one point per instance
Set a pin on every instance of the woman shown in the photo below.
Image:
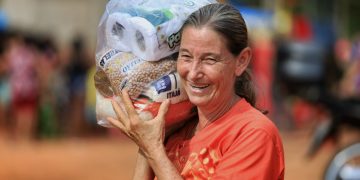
(229, 139)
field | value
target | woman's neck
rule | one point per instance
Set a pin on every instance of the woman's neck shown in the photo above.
(207, 116)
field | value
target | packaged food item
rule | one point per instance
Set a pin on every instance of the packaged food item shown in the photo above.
(148, 84)
(137, 42)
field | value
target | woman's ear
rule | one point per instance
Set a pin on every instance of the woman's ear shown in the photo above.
(243, 60)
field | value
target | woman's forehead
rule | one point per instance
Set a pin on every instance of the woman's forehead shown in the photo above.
(202, 38)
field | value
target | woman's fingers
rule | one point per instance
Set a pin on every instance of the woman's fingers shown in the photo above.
(122, 116)
(118, 124)
(128, 103)
(163, 108)
(161, 115)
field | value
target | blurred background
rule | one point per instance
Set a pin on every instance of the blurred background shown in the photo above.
(305, 63)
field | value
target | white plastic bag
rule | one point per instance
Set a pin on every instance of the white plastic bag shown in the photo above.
(137, 41)
(147, 28)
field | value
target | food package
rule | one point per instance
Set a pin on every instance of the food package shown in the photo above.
(137, 44)
(148, 84)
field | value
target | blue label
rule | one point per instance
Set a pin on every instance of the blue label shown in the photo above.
(163, 84)
(130, 65)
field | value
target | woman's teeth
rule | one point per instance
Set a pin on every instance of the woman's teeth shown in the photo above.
(200, 87)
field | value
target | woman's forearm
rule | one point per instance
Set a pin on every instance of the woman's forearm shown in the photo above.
(142, 170)
(162, 166)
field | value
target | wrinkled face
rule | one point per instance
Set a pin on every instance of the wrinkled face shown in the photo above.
(207, 68)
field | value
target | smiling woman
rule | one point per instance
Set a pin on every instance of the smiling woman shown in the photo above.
(229, 138)
(208, 69)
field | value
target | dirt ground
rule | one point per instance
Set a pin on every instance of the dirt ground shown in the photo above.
(114, 158)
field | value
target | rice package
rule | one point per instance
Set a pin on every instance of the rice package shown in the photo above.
(148, 84)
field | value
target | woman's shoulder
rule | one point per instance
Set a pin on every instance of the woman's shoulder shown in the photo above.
(245, 118)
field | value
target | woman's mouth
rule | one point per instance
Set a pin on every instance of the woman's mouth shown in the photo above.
(198, 88)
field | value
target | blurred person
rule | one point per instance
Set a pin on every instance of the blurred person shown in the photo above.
(350, 82)
(342, 51)
(24, 85)
(51, 89)
(229, 138)
(77, 67)
(299, 76)
(61, 92)
(57, 85)
(4, 82)
(290, 110)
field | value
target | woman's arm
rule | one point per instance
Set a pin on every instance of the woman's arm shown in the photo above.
(148, 135)
(162, 166)
(144, 171)
(142, 168)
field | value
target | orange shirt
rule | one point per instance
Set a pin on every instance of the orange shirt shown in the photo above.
(242, 144)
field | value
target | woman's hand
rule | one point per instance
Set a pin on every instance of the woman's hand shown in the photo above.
(148, 135)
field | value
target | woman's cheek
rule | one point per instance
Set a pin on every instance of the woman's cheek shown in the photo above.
(181, 69)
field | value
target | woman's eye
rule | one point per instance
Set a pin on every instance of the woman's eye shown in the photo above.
(185, 57)
(209, 61)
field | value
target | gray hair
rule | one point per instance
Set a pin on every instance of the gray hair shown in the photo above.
(229, 23)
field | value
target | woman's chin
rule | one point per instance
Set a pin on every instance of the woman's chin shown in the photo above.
(198, 101)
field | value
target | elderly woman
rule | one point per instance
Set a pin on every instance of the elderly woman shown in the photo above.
(229, 138)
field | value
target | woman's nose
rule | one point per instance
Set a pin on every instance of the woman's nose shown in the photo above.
(195, 71)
